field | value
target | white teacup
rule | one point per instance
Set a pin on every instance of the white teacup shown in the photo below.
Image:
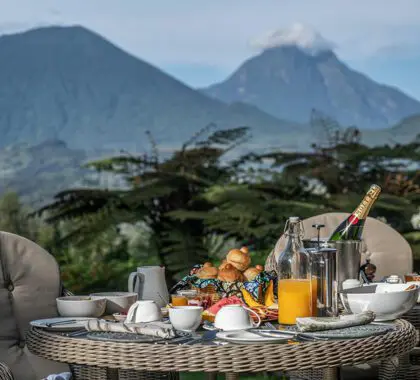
(144, 311)
(185, 318)
(235, 317)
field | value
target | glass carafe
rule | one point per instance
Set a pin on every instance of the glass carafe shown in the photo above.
(296, 289)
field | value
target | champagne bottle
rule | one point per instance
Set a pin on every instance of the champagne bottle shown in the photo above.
(352, 227)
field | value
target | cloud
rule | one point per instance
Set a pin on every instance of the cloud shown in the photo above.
(299, 35)
(216, 33)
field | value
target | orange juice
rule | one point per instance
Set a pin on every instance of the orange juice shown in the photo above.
(295, 299)
(179, 300)
(314, 291)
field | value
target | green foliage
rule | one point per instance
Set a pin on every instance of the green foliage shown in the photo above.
(14, 219)
(158, 191)
(194, 204)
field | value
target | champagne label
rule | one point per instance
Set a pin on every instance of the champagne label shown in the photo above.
(371, 196)
(353, 219)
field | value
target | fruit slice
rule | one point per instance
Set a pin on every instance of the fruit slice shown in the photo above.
(269, 295)
(249, 300)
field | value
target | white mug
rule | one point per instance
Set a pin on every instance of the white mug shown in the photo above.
(144, 311)
(235, 317)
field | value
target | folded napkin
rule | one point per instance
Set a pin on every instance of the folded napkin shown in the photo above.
(157, 329)
(329, 323)
(60, 376)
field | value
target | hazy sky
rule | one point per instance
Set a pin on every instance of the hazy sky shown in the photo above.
(203, 41)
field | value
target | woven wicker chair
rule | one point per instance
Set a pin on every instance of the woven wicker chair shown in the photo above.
(5, 372)
(29, 285)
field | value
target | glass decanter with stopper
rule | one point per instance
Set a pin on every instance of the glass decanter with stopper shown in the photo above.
(296, 288)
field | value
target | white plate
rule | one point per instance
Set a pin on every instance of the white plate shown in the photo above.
(247, 337)
(77, 325)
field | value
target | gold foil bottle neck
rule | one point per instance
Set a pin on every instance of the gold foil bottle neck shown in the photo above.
(365, 205)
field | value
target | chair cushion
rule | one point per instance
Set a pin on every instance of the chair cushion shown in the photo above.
(387, 248)
(29, 285)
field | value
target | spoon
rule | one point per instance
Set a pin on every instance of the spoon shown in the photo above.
(168, 305)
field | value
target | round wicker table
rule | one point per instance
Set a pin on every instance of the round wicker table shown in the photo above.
(134, 360)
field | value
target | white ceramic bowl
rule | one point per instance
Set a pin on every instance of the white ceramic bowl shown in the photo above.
(116, 302)
(81, 306)
(185, 318)
(387, 301)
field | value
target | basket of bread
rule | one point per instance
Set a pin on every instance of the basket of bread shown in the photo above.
(234, 281)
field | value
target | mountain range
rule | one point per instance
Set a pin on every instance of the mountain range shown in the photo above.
(288, 82)
(69, 85)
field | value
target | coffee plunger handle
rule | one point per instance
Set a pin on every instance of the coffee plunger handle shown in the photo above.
(318, 227)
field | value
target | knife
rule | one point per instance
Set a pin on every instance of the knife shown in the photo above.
(293, 334)
(67, 321)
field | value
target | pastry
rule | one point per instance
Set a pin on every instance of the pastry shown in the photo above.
(223, 264)
(230, 274)
(259, 267)
(207, 271)
(251, 273)
(239, 259)
(244, 250)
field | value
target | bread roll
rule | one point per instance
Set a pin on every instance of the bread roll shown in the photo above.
(259, 267)
(207, 271)
(251, 273)
(244, 249)
(238, 259)
(223, 265)
(230, 274)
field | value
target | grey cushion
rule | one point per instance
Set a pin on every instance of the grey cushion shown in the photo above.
(29, 285)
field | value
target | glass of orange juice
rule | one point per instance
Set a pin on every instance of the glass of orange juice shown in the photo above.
(179, 300)
(295, 299)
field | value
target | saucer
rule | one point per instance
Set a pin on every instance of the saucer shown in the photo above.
(211, 327)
